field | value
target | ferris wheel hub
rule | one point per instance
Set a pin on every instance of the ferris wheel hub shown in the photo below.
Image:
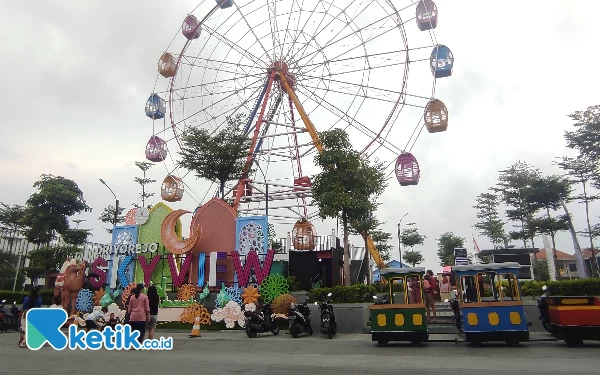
(281, 67)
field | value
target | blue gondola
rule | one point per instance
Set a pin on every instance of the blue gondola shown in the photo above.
(155, 107)
(441, 61)
(495, 316)
(224, 3)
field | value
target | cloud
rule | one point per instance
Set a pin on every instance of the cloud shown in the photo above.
(77, 75)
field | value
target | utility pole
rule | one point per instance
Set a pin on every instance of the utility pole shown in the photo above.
(400, 239)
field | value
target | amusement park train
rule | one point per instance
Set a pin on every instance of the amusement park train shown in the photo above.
(480, 316)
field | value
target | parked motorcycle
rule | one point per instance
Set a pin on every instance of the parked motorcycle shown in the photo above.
(261, 320)
(385, 299)
(456, 311)
(15, 317)
(299, 317)
(328, 322)
(3, 318)
(544, 311)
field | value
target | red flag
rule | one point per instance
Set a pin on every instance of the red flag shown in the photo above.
(475, 247)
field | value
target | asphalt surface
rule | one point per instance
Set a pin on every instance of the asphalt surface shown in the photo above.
(233, 352)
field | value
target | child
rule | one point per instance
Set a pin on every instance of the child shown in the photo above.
(112, 322)
(92, 319)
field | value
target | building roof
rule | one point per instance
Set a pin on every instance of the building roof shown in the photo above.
(561, 255)
(513, 251)
(485, 267)
(587, 253)
(403, 271)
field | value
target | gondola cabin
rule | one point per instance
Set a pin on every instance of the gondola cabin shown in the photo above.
(155, 107)
(400, 314)
(490, 303)
(156, 149)
(167, 65)
(436, 116)
(304, 235)
(191, 27)
(442, 61)
(407, 169)
(426, 15)
(223, 4)
(572, 319)
(172, 189)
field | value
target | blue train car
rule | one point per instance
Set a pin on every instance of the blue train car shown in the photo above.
(490, 303)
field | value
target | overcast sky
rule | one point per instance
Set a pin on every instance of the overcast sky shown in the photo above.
(77, 74)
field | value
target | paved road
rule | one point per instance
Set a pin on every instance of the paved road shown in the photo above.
(232, 352)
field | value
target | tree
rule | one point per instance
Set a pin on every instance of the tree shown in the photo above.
(586, 138)
(273, 243)
(540, 270)
(47, 211)
(582, 170)
(490, 224)
(8, 264)
(410, 237)
(143, 181)
(348, 185)
(447, 242)
(547, 193)
(76, 237)
(11, 218)
(413, 257)
(381, 240)
(108, 216)
(511, 186)
(50, 258)
(220, 156)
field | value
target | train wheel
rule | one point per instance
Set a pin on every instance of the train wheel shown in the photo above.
(382, 343)
(512, 343)
(574, 342)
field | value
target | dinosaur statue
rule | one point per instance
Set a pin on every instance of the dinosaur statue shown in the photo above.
(73, 282)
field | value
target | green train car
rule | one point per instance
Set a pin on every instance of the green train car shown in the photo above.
(401, 316)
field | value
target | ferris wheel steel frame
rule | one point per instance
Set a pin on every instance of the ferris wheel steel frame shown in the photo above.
(259, 129)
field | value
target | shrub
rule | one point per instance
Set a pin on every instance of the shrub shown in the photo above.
(576, 287)
(356, 293)
(385, 288)
(293, 284)
(19, 296)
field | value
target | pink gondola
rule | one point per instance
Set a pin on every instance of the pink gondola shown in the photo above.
(407, 169)
(156, 149)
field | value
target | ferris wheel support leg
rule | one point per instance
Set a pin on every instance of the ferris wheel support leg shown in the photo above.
(309, 125)
(255, 110)
(240, 188)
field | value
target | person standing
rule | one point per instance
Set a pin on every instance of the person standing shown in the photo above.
(434, 292)
(153, 300)
(30, 302)
(139, 312)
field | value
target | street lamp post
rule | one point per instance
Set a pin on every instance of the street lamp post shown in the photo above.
(399, 239)
(16, 271)
(116, 202)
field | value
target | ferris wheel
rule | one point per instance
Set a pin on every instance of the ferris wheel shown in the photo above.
(288, 69)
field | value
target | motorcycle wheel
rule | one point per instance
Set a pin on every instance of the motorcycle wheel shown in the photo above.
(294, 331)
(329, 332)
(275, 330)
(547, 326)
(251, 332)
(309, 330)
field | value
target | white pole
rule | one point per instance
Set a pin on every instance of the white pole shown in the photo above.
(17, 272)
